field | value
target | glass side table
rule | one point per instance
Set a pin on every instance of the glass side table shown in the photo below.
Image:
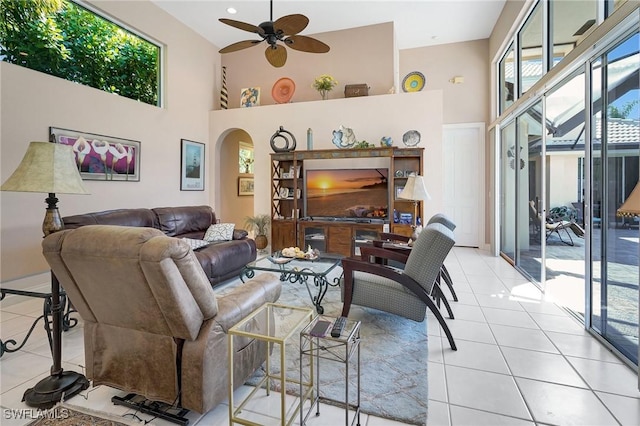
(279, 323)
(339, 349)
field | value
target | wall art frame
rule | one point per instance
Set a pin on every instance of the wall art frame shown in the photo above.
(101, 157)
(192, 165)
(245, 186)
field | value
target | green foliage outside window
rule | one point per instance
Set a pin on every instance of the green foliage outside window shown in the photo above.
(63, 39)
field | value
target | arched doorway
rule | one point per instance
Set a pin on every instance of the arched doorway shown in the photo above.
(233, 203)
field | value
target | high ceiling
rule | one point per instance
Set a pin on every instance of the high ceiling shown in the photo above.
(417, 23)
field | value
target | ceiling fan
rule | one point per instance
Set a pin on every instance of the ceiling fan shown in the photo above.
(284, 30)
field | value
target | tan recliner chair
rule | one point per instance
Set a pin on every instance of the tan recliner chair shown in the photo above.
(153, 326)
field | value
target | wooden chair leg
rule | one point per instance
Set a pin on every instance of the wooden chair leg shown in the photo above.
(440, 295)
(442, 323)
(448, 281)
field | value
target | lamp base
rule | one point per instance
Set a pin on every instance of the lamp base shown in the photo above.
(55, 388)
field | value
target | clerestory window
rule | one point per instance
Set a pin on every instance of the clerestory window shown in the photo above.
(64, 39)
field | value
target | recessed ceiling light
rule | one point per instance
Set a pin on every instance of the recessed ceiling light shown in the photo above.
(232, 10)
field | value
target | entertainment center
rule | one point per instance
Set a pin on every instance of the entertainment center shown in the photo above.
(336, 199)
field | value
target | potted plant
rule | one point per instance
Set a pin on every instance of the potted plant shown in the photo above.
(259, 224)
(324, 84)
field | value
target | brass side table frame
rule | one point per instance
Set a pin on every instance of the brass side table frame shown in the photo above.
(273, 336)
(338, 349)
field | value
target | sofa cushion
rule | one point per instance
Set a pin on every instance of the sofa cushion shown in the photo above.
(174, 221)
(196, 244)
(220, 232)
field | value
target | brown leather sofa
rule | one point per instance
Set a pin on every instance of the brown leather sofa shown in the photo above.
(220, 261)
(153, 325)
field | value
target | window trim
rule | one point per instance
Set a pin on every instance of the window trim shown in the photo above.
(161, 46)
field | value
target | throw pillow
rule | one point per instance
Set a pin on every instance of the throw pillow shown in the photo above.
(220, 232)
(196, 244)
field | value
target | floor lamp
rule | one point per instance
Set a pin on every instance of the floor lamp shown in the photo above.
(50, 168)
(415, 190)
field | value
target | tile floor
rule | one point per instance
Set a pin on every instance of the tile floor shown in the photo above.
(520, 360)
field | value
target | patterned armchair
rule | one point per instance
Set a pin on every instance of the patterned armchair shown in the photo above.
(406, 292)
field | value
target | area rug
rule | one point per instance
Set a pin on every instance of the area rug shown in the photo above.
(68, 415)
(394, 356)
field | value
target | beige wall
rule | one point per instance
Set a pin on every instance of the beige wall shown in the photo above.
(234, 208)
(463, 103)
(359, 55)
(370, 117)
(32, 101)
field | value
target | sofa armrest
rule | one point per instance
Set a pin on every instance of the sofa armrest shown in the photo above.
(239, 234)
(246, 298)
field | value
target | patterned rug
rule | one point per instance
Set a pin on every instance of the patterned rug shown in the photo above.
(67, 415)
(394, 357)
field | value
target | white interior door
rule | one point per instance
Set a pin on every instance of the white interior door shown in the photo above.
(464, 181)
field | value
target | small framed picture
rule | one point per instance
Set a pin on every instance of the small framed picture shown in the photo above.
(191, 166)
(250, 97)
(397, 190)
(283, 192)
(245, 186)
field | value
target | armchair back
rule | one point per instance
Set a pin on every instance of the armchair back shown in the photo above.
(428, 254)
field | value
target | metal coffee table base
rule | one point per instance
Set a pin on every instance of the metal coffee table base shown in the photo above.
(302, 276)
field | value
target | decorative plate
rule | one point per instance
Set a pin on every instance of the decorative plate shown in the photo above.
(413, 82)
(280, 260)
(283, 90)
(411, 138)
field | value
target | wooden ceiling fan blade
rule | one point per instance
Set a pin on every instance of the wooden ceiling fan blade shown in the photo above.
(242, 26)
(276, 55)
(291, 24)
(239, 46)
(306, 44)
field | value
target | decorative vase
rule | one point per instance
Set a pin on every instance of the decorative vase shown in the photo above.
(309, 139)
(261, 242)
(224, 97)
(324, 94)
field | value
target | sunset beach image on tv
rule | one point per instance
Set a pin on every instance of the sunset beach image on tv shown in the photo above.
(347, 193)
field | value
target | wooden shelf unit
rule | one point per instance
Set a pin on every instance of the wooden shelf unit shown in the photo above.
(287, 172)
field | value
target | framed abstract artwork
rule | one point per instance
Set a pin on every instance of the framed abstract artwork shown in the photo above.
(101, 157)
(192, 166)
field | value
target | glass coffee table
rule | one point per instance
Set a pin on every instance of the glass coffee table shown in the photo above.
(303, 271)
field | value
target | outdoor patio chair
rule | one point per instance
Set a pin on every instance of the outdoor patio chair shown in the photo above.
(559, 227)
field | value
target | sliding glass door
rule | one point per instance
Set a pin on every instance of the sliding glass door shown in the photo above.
(615, 172)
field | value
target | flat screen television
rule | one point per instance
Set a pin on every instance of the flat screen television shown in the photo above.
(347, 193)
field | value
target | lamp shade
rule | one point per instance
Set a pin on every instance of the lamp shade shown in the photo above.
(415, 189)
(631, 206)
(48, 168)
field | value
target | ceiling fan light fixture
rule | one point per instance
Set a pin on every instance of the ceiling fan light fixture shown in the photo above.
(285, 29)
(232, 10)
